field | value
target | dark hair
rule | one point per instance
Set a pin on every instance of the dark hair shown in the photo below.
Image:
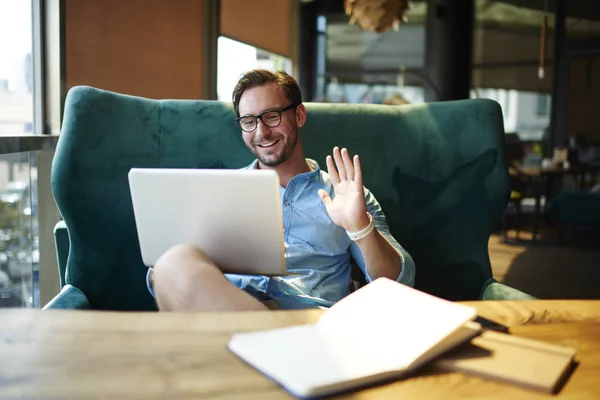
(260, 77)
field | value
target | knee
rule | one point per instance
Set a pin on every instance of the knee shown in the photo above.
(179, 256)
(178, 275)
(180, 265)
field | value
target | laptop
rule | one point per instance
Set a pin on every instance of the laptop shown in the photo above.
(233, 215)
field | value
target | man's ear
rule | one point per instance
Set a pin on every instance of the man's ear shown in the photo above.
(300, 115)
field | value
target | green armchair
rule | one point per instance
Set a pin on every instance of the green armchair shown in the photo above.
(437, 169)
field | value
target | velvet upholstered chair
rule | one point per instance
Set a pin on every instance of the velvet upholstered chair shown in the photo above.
(437, 169)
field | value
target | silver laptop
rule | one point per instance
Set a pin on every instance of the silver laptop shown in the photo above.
(232, 215)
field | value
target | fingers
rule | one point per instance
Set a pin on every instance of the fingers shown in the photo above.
(339, 163)
(333, 175)
(325, 198)
(341, 167)
(357, 171)
(348, 164)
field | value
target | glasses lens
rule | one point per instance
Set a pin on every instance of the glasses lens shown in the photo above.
(248, 123)
(272, 119)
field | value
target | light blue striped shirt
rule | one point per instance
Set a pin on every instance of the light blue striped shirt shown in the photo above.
(318, 252)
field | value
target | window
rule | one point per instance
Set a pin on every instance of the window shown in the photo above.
(19, 236)
(20, 113)
(508, 73)
(358, 66)
(235, 58)
(543, 105)
(16, 68)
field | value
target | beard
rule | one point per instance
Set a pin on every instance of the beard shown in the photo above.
(286, 146)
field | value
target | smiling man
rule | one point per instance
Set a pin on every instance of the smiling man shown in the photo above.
(329, 219)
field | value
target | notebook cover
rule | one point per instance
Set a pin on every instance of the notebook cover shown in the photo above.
(502, 357)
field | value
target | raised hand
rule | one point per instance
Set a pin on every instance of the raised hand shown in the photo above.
(348, 209)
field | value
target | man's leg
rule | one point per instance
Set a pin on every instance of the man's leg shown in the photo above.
(185, 279)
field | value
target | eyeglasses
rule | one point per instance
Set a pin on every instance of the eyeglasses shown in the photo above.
(270, 119)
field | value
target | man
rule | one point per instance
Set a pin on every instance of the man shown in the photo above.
(329, 219)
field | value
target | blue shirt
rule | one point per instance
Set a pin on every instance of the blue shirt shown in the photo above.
(318, 252)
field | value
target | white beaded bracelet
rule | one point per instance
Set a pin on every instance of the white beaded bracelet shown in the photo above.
(363, 232)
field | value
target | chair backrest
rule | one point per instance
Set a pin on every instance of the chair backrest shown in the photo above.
(437, 169)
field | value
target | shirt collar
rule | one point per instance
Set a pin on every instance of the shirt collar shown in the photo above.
(311, 163)
(253, 165)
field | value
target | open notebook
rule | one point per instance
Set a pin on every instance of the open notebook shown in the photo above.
(383, 330)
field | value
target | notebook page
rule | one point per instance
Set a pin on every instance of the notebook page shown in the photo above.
(386, 314)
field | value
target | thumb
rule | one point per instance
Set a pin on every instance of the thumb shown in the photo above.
(325, 198)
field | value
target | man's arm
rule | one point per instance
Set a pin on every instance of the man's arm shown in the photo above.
(380, 258)
(380, 254)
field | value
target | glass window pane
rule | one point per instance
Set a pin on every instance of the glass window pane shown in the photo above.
(234, 58)
(506, 52)
(16, 68)
(583, 19)
(19, 238)
(360, 66)
(372, 93)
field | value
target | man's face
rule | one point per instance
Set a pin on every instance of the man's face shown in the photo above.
(271, 146)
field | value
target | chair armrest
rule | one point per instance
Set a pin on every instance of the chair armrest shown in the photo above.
(493, 290)
(69, 298)
(61, 240)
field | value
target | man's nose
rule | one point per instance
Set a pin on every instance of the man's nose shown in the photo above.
(261, 128)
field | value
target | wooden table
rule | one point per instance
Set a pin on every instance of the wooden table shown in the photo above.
(94, 354)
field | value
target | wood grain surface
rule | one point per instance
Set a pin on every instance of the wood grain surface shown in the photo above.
(95, 354)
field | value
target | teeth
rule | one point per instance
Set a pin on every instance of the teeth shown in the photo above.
(268, 144)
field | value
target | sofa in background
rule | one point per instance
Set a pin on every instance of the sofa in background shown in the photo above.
(572, 209)
(437, 169)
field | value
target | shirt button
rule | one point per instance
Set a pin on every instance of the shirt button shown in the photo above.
(286, 203)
